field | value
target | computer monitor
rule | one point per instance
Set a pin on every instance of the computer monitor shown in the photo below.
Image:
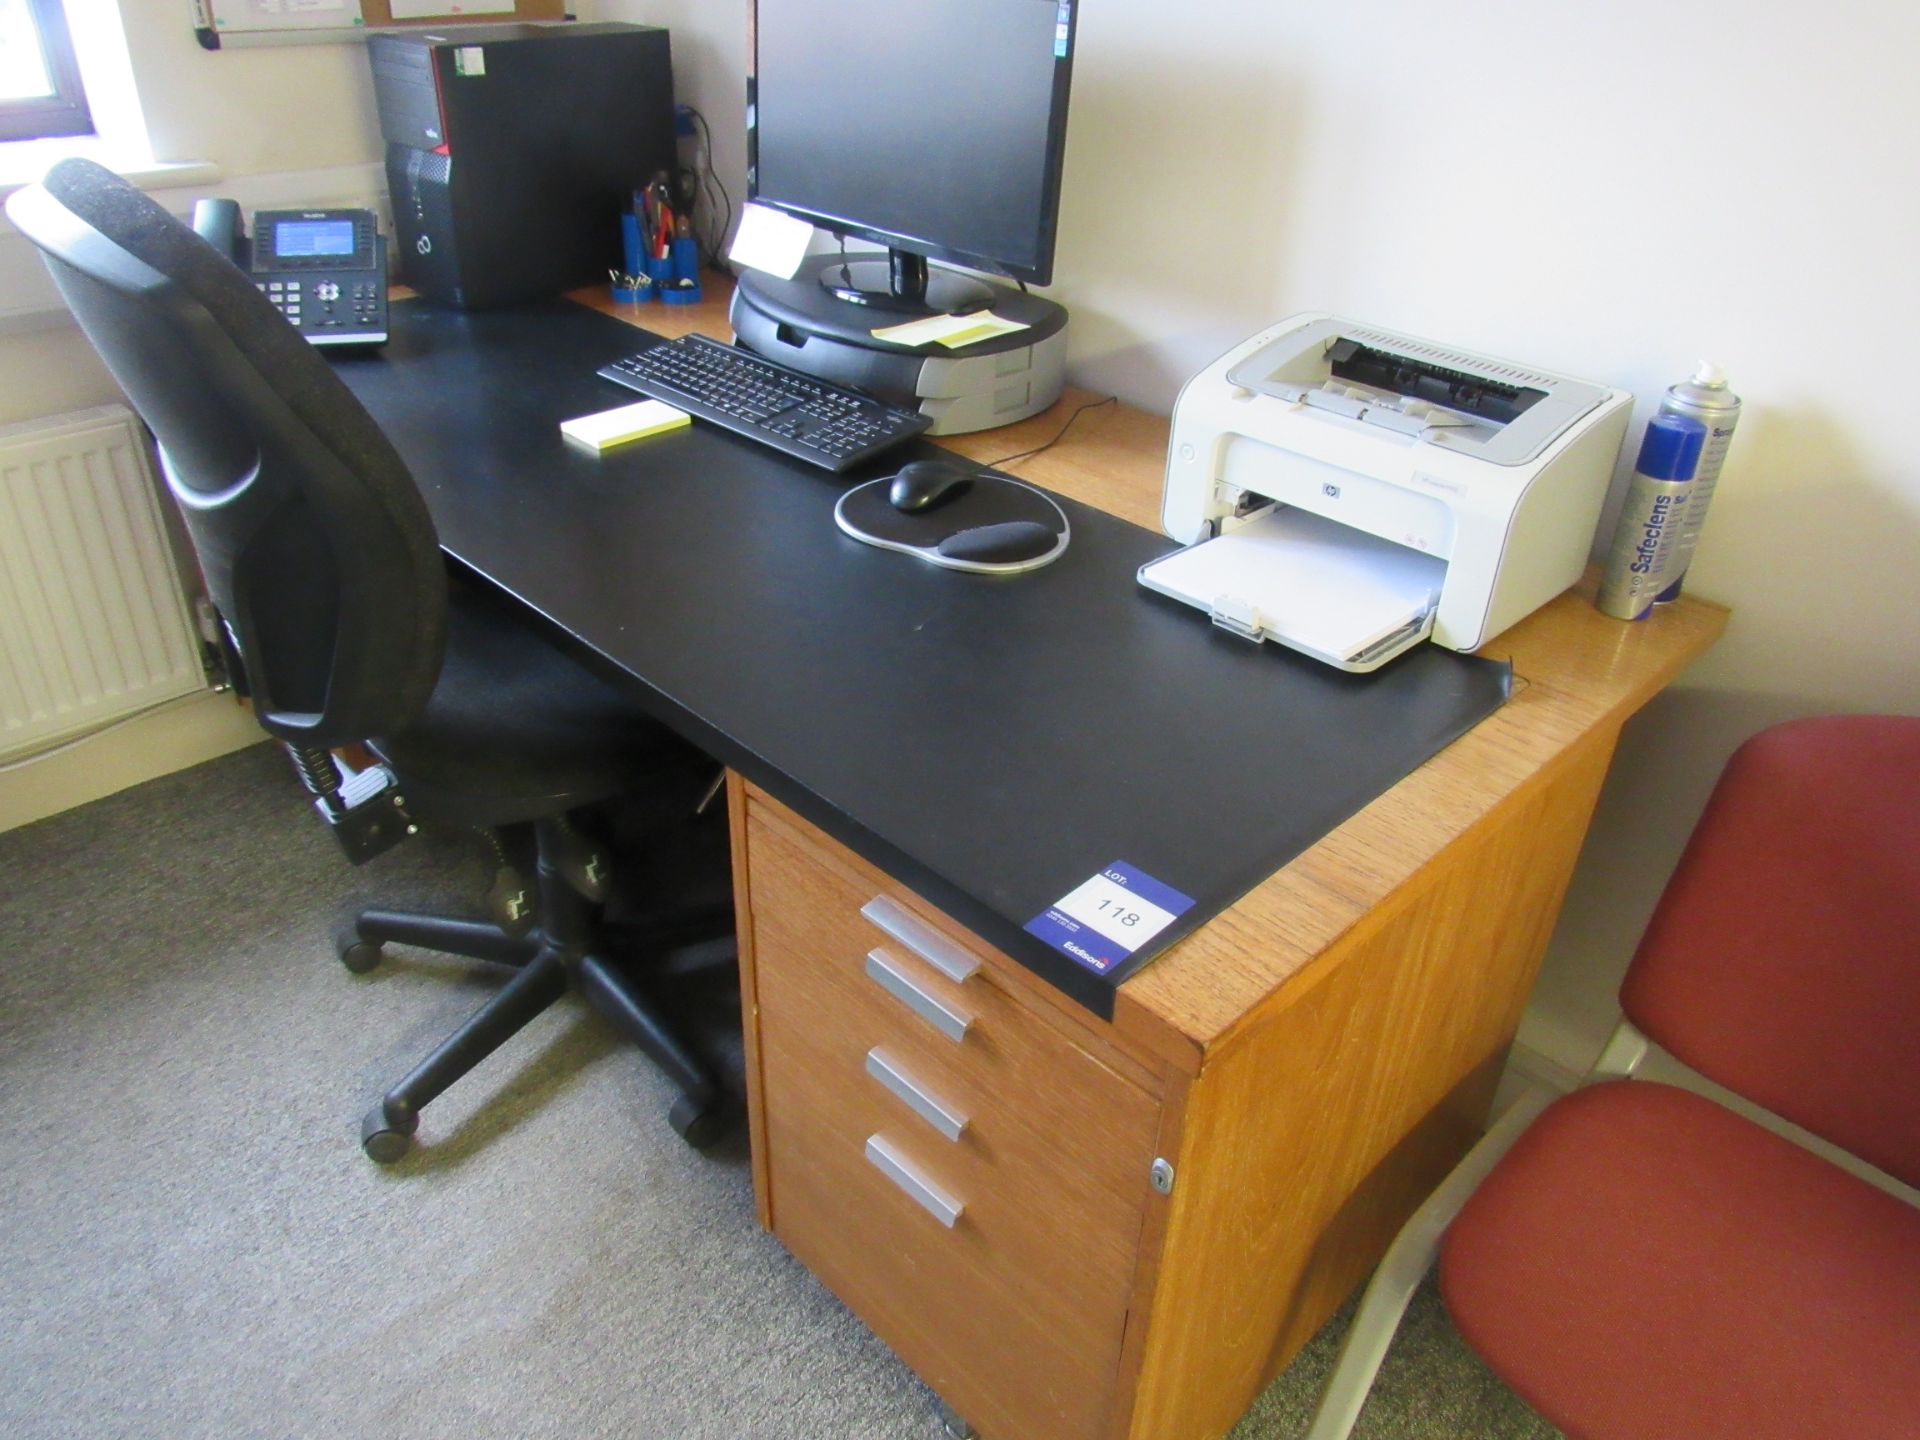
(937, 129)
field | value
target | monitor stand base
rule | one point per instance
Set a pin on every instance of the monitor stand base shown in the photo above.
(869, 283)
(801, 323)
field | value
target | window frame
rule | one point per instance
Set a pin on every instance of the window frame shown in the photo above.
(65, 112)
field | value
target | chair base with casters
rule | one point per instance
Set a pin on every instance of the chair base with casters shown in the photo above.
(572, 744)
(570, 946)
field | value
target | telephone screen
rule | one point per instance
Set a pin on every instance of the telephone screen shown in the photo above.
(295, 238)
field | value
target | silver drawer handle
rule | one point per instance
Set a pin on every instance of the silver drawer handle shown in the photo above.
(922, 939)
(887, 1071)
(882, 969)
(929, 1197)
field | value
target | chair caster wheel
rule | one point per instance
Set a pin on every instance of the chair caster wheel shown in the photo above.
(954, 1425)
(383, 1139)
(698, 1124)
(356, 954)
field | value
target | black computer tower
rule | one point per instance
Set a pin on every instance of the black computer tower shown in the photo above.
(513, 149)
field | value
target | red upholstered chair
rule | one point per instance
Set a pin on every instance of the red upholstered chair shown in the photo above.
(1637, 1261)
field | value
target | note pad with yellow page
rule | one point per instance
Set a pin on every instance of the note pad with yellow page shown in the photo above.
(952, 331)
(605, 429)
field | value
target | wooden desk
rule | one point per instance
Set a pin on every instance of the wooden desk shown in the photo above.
(1307, 1064)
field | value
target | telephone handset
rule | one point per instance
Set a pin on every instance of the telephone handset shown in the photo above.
(325, 270)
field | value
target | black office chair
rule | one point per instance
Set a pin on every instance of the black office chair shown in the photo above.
(339, 615)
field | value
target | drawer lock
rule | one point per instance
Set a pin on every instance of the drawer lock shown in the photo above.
(1162, 1175)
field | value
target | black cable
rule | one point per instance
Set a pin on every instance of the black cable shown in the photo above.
(722, 212)
(1029, 454)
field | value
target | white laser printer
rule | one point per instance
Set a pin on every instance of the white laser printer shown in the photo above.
(1350, 492)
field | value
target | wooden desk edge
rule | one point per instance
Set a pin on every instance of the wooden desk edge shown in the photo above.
(1207, 986)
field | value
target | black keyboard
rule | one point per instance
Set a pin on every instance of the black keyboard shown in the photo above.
(814, 420)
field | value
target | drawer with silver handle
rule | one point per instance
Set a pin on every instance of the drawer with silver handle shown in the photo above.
(914, 1095)
(999, 1252)
(886, 1157)
(894, 978)
(951, 960)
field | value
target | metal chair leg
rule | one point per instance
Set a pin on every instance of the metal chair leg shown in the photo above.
(1402, 1269)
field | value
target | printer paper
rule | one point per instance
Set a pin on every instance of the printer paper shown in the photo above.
(770, 240)
(1307, 581)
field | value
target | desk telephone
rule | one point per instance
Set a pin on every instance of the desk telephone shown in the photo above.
(325, 270)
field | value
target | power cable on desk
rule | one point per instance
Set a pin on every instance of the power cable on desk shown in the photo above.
(1029, 454)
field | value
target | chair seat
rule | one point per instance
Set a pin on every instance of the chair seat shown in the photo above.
(1645, 1263)
(516, 730)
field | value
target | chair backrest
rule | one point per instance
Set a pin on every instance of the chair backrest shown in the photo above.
(315, 544)
(1783, 960)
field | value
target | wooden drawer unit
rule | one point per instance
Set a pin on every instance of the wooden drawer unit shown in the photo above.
(967, 1171)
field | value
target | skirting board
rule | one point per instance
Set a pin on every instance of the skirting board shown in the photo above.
(198, 728)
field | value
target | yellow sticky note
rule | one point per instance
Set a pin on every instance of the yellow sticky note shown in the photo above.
(991, 326)
(607, 428)
(953, 331)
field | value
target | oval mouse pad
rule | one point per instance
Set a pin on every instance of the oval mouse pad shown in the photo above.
(990, 524)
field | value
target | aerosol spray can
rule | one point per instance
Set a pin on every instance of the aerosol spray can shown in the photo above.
(1648, 535)
(1707, 399)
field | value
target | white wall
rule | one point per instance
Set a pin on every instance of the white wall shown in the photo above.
(1610, 190)
(251, 112)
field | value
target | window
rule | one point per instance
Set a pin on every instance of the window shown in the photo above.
(40, 92)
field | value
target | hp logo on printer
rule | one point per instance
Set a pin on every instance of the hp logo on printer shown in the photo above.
(1330, 490)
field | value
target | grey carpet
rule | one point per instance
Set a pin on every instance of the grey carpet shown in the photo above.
(191, 1243)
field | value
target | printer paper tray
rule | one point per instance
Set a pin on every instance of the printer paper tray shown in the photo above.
(1325, 589)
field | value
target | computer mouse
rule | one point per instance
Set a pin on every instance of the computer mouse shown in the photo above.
(923, 484)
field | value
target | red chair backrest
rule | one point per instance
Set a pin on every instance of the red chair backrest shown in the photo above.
(1783, 960)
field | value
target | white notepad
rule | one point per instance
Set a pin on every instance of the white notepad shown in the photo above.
(1305, 581)
(604, 429)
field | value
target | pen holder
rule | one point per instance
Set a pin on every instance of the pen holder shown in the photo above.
(660, 272)
(682, 287)
(630, 243)
(632, 294)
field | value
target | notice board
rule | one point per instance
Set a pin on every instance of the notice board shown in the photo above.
(268, 22)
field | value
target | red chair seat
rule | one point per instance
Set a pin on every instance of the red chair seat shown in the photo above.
(1646, 1265)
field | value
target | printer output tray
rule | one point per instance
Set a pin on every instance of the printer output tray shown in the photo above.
(1343, 596)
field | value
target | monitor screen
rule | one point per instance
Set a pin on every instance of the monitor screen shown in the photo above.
(935, 127)
(312, 238)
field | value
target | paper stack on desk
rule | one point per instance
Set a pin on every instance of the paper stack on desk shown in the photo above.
(607, 428)
(952, 331)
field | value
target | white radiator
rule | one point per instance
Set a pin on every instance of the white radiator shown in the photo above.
(94, 622)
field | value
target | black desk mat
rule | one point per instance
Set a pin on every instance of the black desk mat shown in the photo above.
(992, 742)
